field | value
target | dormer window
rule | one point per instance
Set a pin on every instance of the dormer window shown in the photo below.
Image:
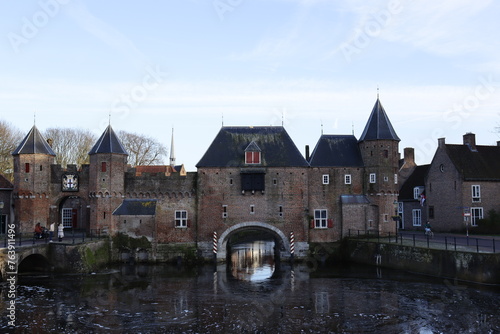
(252, 154)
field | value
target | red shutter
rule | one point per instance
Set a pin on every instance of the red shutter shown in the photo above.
(330, 223)
(103, 167)
(27, 167)
(248, 157)
(312, 223)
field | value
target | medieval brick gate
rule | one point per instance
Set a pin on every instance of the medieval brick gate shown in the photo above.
(281, 239)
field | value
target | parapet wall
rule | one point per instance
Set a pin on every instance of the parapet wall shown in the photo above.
(465, 266)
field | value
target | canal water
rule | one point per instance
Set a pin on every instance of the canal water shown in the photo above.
(252, 294)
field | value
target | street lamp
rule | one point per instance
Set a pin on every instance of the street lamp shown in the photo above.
(396, 216)
(1, 217)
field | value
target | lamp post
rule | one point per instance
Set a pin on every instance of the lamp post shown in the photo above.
(396, 216)
(1, 217)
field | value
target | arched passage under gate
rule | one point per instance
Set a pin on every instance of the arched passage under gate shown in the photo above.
(283, 243)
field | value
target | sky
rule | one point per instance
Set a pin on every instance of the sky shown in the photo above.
(313, 66)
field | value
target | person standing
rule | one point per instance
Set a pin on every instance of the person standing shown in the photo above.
(52, 229)
(60, 232)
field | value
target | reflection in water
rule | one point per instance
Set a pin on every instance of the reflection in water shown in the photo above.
(168, 299)
(252, 261)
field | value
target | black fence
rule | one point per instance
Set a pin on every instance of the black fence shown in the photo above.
(71, 236)
(450, 242)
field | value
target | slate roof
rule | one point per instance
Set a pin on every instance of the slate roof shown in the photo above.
(108, 143)
(336, 151)
(136, 207)
(228, 148)
(4, 183)
(34, 143)
(354, 199)
(379, 126)
(416, 179)
(480, 165)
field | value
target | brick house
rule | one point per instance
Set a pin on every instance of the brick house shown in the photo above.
(462, 179)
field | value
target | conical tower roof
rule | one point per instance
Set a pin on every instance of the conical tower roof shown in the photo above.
(379, 126)
(34, 143)
(108, 143)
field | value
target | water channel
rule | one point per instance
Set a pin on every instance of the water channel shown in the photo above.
(252, 294)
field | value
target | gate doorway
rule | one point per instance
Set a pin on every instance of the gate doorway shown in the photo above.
(73, 213)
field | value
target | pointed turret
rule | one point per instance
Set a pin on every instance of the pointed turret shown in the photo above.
(378, 127)
(34, 143)
(108, 143)
(379, 148)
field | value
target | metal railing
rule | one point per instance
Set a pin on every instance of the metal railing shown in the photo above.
(449, 242)
(71, 236)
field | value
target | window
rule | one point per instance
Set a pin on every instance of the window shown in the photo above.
(252, 209)
(275, 181)
(3, 224)
(103, 167)
(347, 179)
(476, 214)
(224, 211)
(476, 193)
(67, 217)
(386, 217)
(280, 211)
(373, 178)
(431, 212)
(326, 179)
(252, 157)
(181, 217)
(386, 153)
(417, 217)
(252, 181)
(320, 220)
(27, 167)
(417, 191)
(395, 178)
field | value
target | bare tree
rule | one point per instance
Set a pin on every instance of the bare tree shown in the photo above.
(142, 150)
(10, 138)
(71, 146)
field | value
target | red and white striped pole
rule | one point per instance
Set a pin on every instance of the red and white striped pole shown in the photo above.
(215, 242)
(292, 244)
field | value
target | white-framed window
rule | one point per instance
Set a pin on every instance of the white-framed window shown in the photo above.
(326, 179)
(416, 217)
(347, 179)
(320, 218)
(373, 178)
(181, 218)
(67, 217)
(476, 214)
(224, 211)
(252, 209)
(386, 217)
(395, 178)
(417, 191)
(476, 193)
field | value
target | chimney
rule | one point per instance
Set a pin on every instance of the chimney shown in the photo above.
(307, 153)
(441, 142)
(409, 155)
(470, 141)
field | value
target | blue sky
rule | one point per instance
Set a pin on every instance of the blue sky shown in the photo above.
(313, 65)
